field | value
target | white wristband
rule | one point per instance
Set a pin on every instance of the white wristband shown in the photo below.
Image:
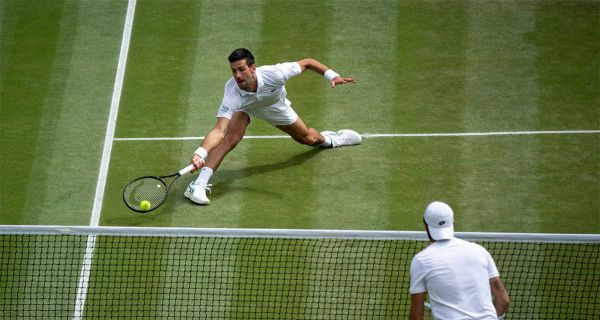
(330, 75)
(201, 152)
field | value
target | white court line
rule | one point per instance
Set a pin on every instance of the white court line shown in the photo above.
(112, 117)
(389, 135)
(84, 277)
(470, 134)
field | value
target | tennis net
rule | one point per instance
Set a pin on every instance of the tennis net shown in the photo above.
(178, 273)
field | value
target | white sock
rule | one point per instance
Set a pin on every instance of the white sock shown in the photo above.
(205, 174)
(327, 142)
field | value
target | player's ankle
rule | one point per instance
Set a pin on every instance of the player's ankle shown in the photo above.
(327, 143)
(204, 176)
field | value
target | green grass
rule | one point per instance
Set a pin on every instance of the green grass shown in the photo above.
(295, 188)
(57, 68)
(421, 66)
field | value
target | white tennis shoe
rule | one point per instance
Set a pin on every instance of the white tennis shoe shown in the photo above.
(344, 137)
(197, 193)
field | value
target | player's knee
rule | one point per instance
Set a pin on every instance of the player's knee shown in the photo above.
(233, 138)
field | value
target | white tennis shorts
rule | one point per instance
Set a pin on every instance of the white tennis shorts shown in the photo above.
(279, 114)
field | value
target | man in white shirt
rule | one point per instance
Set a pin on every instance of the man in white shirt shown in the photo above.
(259, 92)
(460, 277)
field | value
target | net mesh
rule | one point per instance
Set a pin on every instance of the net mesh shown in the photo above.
(208, 277)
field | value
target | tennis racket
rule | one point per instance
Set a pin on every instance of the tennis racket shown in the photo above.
(147, 193)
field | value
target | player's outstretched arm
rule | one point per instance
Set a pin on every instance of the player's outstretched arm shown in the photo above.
(318, 67)
(212, 139)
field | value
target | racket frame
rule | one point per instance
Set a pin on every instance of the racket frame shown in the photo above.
(160, 179)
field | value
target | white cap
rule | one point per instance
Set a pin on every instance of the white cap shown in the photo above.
(440, 220)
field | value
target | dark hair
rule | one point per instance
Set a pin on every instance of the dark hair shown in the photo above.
(241, 53)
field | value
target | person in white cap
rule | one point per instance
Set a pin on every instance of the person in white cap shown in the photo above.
(460, 277)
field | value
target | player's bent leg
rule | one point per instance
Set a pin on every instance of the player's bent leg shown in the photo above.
(327, 139)
(236, 129)
(235, 133)
(302, 134)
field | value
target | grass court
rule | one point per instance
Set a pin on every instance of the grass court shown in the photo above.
(490, 106)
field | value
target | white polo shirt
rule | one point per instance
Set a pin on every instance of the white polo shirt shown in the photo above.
(269, 102)
(456, 276)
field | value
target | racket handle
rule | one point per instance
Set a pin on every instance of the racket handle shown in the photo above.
(186, 170)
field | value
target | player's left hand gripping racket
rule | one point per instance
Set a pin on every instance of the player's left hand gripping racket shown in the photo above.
(147, 193)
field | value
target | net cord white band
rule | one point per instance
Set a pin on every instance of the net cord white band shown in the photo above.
(291, 233)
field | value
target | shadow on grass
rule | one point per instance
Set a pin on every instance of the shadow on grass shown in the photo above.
(225, 178)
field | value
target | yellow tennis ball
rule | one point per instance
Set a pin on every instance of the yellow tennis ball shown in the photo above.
(145, 205)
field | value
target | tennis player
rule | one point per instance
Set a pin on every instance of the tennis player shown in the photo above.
(460, 277)
(259, 92)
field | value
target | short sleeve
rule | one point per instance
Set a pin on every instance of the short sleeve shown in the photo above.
(492, 269)
(279, 74)
(231, 101)
(289, 69)
(417, 277)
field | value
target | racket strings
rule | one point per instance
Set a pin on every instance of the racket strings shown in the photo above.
(145, 189)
